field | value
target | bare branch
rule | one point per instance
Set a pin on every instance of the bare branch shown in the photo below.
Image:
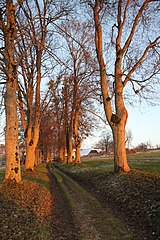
(95, 114)
(135, 23)
(151, 45)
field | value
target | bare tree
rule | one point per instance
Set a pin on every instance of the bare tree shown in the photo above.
(105, 142)
(128, 32)
(79, 66)
(32, 32)
(34, 20)
(129, 138)
(52, 130)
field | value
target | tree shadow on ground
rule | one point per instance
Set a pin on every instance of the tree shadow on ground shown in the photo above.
(64, 225)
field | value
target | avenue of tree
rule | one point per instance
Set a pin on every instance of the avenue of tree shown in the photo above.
(84, 54)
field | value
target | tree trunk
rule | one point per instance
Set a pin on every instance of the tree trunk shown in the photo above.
(32, 137)
(48, 155)
(40, 156)
(32, 134)
(36, 156)
(76, 106)
(77, 138)
(31, 144)
(118, 120)
(13, 171)
(69, 146)
(30, 157)
(62, 154)
(78, 155)
(120, 157)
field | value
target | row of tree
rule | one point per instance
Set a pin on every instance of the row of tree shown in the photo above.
(63, 41)
(106, 145)
(53, 118)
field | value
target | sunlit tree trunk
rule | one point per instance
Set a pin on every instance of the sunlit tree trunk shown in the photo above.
(61, 140)
(31, 128)
(69, 146)
(40, 157)
(118, 127)
(76, 137)
(120, 158)
(48, 155)
(68, 126)
(32, 134)
(31, 71)
(64, 152)
(76, 116)
(30, 157)
(13, 171)
(70, 152)
(61, 154)
(78, 148)
(118, 120)
(36, 156)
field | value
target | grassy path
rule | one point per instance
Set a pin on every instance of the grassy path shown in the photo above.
(91, 220)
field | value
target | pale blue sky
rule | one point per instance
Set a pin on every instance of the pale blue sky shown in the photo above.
(144, 123)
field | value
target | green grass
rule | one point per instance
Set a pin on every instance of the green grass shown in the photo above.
(148, 167)
(39, 176)
(135, 194)
(97, 162)
(105, 222)
(148, 163)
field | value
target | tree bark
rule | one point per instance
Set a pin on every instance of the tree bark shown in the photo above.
(76, 106)
(30, 157)
(40, 156)
(78, 152)
(77, 138)
(69, 146)
(61, 154)
(118, 120)
(36, 156)
(30, 66)
(48, 155)
(120, 157)
(13, 171)
(32, 134)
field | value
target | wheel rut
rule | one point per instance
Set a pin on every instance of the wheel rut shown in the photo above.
(90, 219)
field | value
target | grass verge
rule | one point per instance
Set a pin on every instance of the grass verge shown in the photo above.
(135, 197)
(93, 220)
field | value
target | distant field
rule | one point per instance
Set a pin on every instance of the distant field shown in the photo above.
(148, 162)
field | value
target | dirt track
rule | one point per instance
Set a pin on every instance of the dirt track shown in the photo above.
(85, 217)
